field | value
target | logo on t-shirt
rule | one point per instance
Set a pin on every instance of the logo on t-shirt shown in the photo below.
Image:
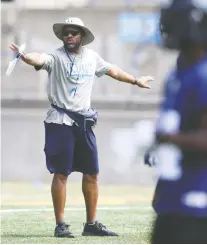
(80, 71)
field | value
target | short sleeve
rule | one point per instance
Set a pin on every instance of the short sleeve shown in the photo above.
(102, 67)
(49, 60)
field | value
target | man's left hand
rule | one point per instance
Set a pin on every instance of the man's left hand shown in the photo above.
(142, 82)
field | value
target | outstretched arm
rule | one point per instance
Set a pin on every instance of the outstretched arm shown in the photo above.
(193, 140)
(33, 59)
(120, 75)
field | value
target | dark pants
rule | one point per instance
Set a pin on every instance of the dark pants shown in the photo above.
(69, 148)
(175, 229)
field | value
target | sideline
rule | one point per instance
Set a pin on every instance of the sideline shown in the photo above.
(79, 209)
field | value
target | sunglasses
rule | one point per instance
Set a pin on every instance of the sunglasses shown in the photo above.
(72, 32)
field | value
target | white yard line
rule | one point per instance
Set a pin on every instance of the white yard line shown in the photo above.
(114, 208)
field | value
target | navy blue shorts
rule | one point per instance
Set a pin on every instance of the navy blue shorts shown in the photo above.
(69, 149)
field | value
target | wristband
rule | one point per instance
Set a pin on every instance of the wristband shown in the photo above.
(136, 82)
(18, 55)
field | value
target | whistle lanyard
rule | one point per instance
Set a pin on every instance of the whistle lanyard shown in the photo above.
(72, 63)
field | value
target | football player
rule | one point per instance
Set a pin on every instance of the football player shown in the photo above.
(180, 198)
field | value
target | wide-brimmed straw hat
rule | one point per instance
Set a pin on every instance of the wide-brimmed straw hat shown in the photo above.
(74, 21)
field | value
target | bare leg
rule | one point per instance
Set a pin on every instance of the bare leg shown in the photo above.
(90, 192)
(58, 190)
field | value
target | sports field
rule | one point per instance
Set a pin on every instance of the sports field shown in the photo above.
(27, 214)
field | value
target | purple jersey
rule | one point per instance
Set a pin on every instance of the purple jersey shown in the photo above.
(182, 184)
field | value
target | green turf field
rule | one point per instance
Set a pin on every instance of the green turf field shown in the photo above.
(27, 215)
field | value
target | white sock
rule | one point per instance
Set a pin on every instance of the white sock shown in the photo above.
(91, 223)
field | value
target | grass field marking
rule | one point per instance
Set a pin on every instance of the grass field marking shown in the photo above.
(118, 208)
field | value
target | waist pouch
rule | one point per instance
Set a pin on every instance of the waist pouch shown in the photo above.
(83, 118)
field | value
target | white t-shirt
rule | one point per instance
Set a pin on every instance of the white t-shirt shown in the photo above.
(70, 81)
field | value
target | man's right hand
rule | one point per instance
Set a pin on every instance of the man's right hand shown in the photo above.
(33, 59)
(15, 49)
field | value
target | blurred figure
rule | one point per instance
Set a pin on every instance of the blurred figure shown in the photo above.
(180, 198)
(70, 144)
